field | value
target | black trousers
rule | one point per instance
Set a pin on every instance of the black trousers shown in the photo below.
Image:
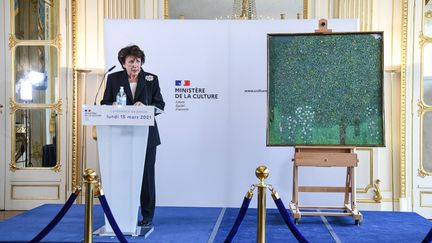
(148, 193)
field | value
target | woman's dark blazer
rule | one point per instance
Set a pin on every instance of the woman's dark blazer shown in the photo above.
(147, 91)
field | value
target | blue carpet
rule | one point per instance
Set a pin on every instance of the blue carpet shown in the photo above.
(382, 227)
(180, 224)
(312, 228)
(177, 224)
(23, 227)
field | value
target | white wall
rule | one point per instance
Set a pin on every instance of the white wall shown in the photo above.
(209, 153)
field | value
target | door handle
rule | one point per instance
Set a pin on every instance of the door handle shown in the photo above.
(1, 108)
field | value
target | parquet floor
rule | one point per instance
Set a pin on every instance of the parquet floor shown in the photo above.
(7, 214)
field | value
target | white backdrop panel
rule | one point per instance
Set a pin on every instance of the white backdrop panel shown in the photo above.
(211, 147)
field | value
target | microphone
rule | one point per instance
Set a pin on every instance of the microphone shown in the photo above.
(103, 79)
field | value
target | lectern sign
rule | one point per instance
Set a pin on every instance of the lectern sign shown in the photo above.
(121, 116)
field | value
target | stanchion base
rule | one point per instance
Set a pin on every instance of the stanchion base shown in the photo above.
(146, 230)
(140, 231)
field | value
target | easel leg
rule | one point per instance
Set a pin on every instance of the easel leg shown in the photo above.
(353, 190)
(295, 185)
(347, 187)
(356, 214)
(294, 202)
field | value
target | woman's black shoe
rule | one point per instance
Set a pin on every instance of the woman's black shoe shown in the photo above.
(145, 223)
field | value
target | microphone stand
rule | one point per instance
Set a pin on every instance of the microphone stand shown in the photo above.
(94, 135)
(103, 79)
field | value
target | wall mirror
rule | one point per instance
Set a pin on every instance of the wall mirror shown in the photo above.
(231, 9)
(36, 74)
(427, 142)
(35, 19)
(427, 74)
(35, 138)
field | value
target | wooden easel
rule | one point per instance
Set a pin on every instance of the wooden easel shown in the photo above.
(326, 157)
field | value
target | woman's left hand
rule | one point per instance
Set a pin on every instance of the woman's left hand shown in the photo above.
(138, 103)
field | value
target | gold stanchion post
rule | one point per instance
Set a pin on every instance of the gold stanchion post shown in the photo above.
(261, 173)
(90, 179)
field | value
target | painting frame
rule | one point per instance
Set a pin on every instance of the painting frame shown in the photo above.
(301, 66)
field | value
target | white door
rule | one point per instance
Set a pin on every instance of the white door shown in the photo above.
(422, 109)
(34, 158)
(422, 193)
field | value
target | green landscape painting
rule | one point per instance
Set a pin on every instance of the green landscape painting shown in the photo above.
(325, 89)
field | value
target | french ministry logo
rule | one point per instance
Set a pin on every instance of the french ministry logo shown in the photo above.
(185, 94)
(182, 83)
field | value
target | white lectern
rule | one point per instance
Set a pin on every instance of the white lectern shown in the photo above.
(122, 141)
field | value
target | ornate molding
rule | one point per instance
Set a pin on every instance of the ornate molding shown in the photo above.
(366, 189)
(384, 200)
(424, 39)
(166, 6)
(13, 167)
(377, 191)
(58, 106)
(58, 42)
(377, 198)
(12, 41)
(424, 204)
(423, 173)
(402, 154)
(13, 106)
(74, 163)
(57, 167)
(371, 170)
(305, 9)
(421, 106)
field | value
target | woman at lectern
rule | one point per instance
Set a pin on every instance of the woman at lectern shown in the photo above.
(140, 88)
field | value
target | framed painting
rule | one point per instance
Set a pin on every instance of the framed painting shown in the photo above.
(325, 89)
